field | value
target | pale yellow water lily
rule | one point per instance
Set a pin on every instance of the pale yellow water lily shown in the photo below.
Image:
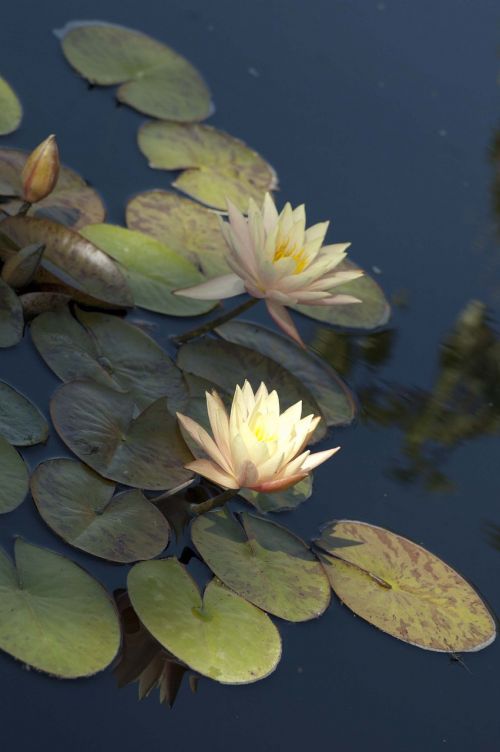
(255, 446)
(274, 256)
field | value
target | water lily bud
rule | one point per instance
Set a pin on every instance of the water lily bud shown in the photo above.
(40, 173)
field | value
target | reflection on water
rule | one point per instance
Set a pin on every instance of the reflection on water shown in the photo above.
(463, 404)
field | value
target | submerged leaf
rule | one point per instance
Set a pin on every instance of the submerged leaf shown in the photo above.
(80, 507)
(154, 79)
(21, 423)
(53, 615)
(216, 166)
(220, 635)
(264, 563)
(11, 111)
(14, 475)
(405, 590)
(11, 316)
(153, 270)
(101, 427)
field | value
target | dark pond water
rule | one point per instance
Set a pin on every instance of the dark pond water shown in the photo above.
(384, 117)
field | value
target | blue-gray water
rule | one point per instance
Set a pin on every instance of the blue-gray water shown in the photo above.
(380, 116)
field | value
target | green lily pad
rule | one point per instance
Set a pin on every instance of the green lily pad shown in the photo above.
(14, 475)
(53, 615)
(154, 79)
(372, 312)
(153, 270)
(69, 257)
(101, 427)
(80, 507)
(21, 423)
(216, 166)
(106, 349)
(226, 365)
(72, 202)
(330, 392)
(220, 635)
(11, 316)
(264, 563)
(185, 226)
(11, 111)
(281, 501)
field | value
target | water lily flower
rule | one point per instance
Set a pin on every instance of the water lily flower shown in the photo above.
(255, 446)
(274, 256)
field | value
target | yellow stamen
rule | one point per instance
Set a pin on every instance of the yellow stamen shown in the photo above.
(284, 250)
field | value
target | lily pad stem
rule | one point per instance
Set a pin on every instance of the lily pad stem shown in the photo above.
(214, 323)
(215, 501)
(24, 208)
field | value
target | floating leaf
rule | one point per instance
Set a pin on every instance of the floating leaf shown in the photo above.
(108, 350)
(405, 590)
(216, 166)
(281, 501)
(69, 257)
(372, 312)
(264, 563)
(14, 475)
(330, 392)
(20, 269)
(11, 111)
(72, 202)
(80, 507)
(154, 79)
(53, 615)
(221, 635)
(36, 303)
(225, 365)
(21, 423)
(11, 316)
(183, 225)
(101, 427)
(153, 270)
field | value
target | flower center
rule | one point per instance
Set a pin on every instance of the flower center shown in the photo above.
(285, 250)
(262, 429)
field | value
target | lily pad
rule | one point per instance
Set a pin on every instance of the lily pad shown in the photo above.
(101, 427)
(21, 423)
(72, 202)
(225, 365)
(36, 303)
(19, 270)
(281, 501)
(264, 563)
(11, 111)
(216, 166)
(108, 350)
(373, 311)
(69, 257)
(11, 316)
(53, 615)
(220, 635)
(154, 79)
(14, 475)
(405, 590)
(80, 507)
(330, 392)
(191, 230)
(153, 270)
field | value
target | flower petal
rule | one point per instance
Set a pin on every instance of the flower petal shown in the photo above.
(280, 484)
(284, 320)
(213, 472)
(204, 440)
(218, 288)
(317, 458)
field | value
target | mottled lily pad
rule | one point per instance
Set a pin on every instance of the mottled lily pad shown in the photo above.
(21, 422)
(14, 475)
(264, 563)
(404, 590)
(373, 311)
(53, 615)
(101, 427)
(11, 112)
(330, 392)
(80, 507)
(20, 269)
(216, 166)
(154, 79)
(11, 316)
(281, 501)
(36, 303)
(68, 257)
(153, 270)
(72, 202)
(185, 226)
(220, 635)
(108, 350)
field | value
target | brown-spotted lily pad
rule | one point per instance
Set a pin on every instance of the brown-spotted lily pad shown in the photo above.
(216, 166)
(11, 111)
(11, 316)
(14, 475)
(21, 422)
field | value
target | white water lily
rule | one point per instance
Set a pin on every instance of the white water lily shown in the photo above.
(256, 446)
(274, 256)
